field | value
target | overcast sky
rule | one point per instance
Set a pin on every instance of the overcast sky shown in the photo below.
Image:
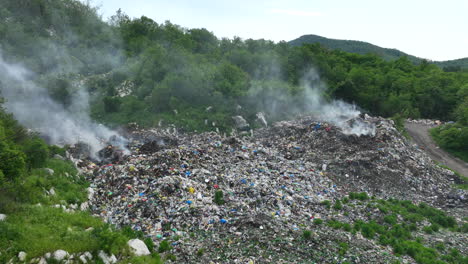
(436, 30)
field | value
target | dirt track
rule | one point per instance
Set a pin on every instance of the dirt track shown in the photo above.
(420, 135)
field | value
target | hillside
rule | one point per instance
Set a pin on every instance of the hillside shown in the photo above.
(361, 47)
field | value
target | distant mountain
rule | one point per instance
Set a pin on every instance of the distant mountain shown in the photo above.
(362, 47)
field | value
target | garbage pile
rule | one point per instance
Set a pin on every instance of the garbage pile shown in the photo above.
(217, 193)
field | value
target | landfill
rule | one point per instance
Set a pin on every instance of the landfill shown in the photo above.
(247, 199)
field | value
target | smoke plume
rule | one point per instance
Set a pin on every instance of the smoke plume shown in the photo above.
(35, 109)
(276, 100)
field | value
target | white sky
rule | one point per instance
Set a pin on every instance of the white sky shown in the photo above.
(435, 30)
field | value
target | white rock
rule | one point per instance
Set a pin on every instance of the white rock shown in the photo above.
(42, 261)
(49, 171)
(60, 255)
(107, 259)
(88, 255)
(138, 247)
(47, 255)
(2, 217)
(83, 259)
(90, 193)
(52, 191)
(73, 206)
(22, 256)
(84, 206)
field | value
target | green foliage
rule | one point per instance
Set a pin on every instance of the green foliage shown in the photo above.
(338, 205)
(390, 219)
(318, 221)
(218, 198)
(53, 149)
(200, 252)
(358, 196)
(307, 234)
(149, 243)
(326, 203)
(164, 246)
(153, 259)
(397, 233)
(343, 248)
(36, 151)
(453, 138)
(12, 161)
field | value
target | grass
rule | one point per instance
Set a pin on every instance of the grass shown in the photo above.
(397, 227)
(41, 228)
(38, 230)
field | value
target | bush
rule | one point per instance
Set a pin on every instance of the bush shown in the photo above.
(358, 196)
(326, 203)
(307, 234)
(390, 219)
(318, 221)
(164, 246)
(347, 227)
(219, 197)
(200, 252)
(36, 152)
(12, 162)
(343, 248)
(338, 205)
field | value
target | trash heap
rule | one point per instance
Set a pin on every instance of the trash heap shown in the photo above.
(220, 194)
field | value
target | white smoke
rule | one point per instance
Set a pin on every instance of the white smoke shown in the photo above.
(337, 112)
(35, 109)
(275, 99)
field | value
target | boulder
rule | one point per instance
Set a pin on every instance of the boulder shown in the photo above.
(49, 171)
(60, 255)
(22, 256)
(2, 217)
(106, 259)
(138, 247)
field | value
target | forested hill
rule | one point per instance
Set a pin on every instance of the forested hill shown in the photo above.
(138, 70)
(361, 47)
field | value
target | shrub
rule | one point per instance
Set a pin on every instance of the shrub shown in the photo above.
(358, 196)
(326, 203)
(347, 227)
(200, 252)
(338, 205)
(390, 219)
(149, 243)
(164, 246)
(318, 221)
(427, 230)
(218, 198)
(306, 234)
(343, 248)
(36, 152)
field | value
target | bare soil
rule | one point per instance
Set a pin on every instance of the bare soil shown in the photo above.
(421, 136)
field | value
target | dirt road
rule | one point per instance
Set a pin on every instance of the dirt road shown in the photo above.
(420, 135)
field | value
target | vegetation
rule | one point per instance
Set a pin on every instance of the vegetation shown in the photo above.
(453, 138)
(363, 48)
(396, 228)
(32, 198)
(164, 67)
(218, 198)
